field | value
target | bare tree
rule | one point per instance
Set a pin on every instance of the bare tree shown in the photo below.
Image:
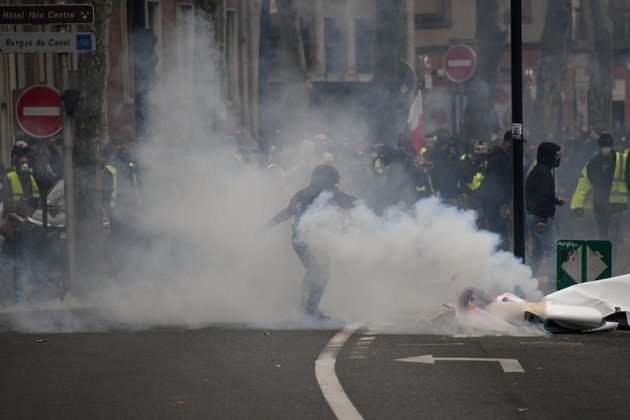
(478, 115)
(93, 71)
(599, 29)
(554, 54)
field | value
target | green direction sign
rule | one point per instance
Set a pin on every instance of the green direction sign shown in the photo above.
(582, 261)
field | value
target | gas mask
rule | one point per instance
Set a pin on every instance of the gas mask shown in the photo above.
(24, 167)
(606, 152)
(556, 160)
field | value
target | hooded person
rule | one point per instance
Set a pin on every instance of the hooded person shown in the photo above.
(603, 186)
(540, 204)
(324, 178)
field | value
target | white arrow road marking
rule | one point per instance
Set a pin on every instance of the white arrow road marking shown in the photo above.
(459, 63)
(327, 378)
(508, 365)
(42, 111)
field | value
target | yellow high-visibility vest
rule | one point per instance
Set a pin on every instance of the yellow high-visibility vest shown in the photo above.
(619, 189)
(476, 181)
(16, 186)
(583, 195)
(112, 170)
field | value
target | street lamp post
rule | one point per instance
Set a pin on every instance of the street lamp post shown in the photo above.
(517, 128)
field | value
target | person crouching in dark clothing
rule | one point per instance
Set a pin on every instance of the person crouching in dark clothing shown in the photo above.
(315, 261)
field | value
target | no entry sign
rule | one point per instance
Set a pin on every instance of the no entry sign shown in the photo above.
(39, 111)
(459, 63)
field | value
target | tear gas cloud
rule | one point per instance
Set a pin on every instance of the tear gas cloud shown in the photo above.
(202, 264)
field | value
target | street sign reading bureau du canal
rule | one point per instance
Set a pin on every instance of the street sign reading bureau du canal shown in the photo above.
(582, 261)
(47, 14)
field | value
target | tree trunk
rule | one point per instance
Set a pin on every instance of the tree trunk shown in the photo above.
(554, 56)
(293, 71)
(385, 82)
(599, 35)
(93, 71)
(478, 115)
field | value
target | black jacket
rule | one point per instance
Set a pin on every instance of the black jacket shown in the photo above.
(540, 187)
(304, 198)
(496, 187)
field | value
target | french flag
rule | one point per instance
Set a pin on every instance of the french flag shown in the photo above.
(416, 123)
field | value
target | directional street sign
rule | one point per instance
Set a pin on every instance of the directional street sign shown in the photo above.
(582, 261)
(39, 111)
(508, 365)
(47, 14)
(459, 63)
(47, 42)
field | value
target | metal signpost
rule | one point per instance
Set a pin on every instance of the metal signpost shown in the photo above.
(459, 65)
(32, 112)
(582, 261)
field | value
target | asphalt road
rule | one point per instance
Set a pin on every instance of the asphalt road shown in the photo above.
(226, 372)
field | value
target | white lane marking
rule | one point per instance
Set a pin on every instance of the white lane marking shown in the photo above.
(430, 344)
(41, 111)
(327, 378)
(508, 365)
(551, 344)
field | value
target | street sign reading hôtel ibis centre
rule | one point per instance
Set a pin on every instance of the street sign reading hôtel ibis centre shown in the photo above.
(47, 14)
(46, 42)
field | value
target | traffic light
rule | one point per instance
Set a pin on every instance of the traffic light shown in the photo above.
(144, 59)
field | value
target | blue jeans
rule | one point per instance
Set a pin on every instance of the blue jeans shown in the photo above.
(543, 243)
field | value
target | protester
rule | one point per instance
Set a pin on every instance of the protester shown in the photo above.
(122, 202)
(314, 259)
(603, 186)
(470, 173)
(540, 203)
(496, 190)
(20, 197)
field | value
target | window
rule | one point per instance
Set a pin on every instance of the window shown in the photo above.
(433, 14)
(153, 20)
(231, 56)
(363, 46)
(185, 33)
(332, 49)
(126, 51)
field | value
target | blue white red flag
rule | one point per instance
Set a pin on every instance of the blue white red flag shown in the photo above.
(416, 123)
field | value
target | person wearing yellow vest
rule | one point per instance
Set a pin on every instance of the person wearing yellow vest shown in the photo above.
(122, 203)
(603, 186)
(470, 173)
(20, 196)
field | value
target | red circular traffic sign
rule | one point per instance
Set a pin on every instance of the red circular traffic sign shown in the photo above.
(459, 63)
(39, 111)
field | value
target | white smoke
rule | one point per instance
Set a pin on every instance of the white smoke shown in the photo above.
(201, 263)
